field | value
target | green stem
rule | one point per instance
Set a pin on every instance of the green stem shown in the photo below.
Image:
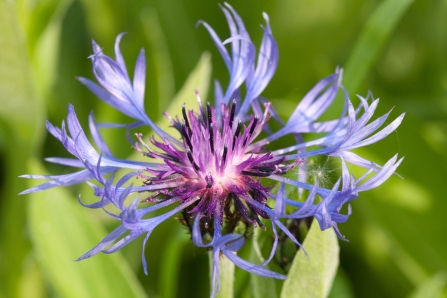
(226, 272)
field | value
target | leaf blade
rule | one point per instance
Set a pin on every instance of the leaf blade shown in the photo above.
(313, 276)
(60, 233)
(377, 31)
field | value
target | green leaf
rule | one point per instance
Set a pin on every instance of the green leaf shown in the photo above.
(260, 286)
(21, 116)
(313, 276)
(341, 288)
(44, 24)
(169, 273)
(376, 33)
(61, 231)
(104, 27)
(198, 80)
(432, 287)
(32, 284)
(164, 72)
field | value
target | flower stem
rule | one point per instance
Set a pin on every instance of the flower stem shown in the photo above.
(226, 272)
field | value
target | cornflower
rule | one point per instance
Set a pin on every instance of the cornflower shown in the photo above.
(214, 171)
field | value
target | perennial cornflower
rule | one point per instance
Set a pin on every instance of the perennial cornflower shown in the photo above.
(216, 171)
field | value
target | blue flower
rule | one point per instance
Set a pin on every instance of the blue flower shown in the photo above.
(213, 171)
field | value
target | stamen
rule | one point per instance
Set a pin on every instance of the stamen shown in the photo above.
(252, 129)
(191, 160)
(224, 155)
(140, 138)
(253, 126)
(185, 117)
(152, 198)
(185, 136)
(236, 134)
(174, 123)
(264, 174)
(166, 114)
(233, 109)
(211, 137)
(208, 109)
(202, 110)
(240, 206)
(151, 153)
(255, 215)
(166, 156)
(265, 168)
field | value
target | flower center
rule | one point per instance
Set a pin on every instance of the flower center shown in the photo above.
(215, 165)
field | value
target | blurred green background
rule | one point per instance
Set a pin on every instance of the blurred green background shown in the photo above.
(397, 49)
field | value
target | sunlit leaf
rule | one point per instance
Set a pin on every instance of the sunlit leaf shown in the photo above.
(32, 283)
(169, 273)
(61, 231)
(433, 287)
(376, 33)
(20, 112)
(199, 80)
(164, 72)
(341, 287)
(104, 26)
(313, 276)
(260, 286)
(44, 34)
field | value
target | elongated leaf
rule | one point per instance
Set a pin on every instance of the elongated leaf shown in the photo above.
(432, 287)
(260, 286)
(341, 287)
(372, 40)
(20, 112)
(44, 25)
(160, 56)
(198, 80)
(313, 276)
(101, 27)
(61, 232)
(172, 256)
(32, 284)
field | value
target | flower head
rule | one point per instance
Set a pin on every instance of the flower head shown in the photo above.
(214, 169)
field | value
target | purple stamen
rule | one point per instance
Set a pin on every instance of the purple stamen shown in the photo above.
(185, 117)
(211, 138)
(240, 207)
(236, 134)
(224, 155)
(233, 110)
(252, 129)
(186, 137)
(208, 109)
(191, 160)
